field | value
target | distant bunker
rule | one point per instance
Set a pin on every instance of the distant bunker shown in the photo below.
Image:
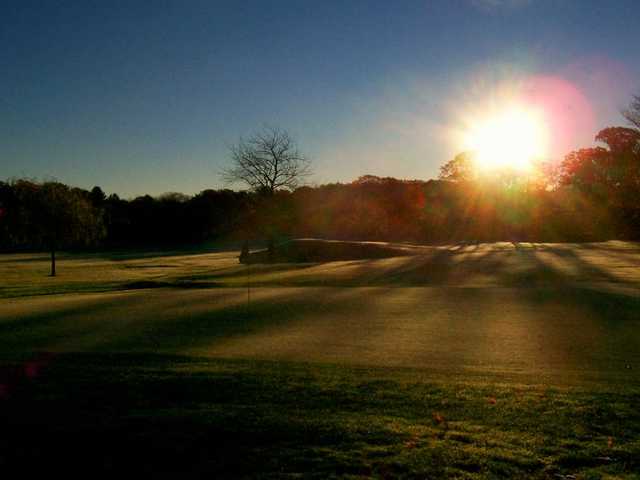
(318, 251)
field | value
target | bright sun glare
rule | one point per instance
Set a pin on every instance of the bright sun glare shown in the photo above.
(512, 138)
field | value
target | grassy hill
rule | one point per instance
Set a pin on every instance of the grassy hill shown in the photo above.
(465, 361)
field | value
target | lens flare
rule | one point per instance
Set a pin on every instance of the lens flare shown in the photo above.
(512, 138)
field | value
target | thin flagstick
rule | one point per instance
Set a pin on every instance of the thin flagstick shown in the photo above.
(248, 285)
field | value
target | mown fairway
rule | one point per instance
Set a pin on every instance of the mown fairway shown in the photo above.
(466, 361)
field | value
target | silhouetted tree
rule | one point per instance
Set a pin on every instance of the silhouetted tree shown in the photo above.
(609, 171)
(632, 113)
(97, 197)
(20, 207)
(65, 217)
(5, 195)
(620, 140)
(218, 213)
(267, 161)
(610, 178)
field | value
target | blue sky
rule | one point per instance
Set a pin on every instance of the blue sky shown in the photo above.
(146, 97)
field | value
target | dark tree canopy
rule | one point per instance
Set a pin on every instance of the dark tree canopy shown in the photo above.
(48, 216)
(593, 194)
(97, 196)
(267, 161)
(586, 168)
(608, 172)
(620, 140)
(66, 217)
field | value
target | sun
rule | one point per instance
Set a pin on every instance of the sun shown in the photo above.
(509, 139)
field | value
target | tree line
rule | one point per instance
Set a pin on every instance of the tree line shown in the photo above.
(592, 194)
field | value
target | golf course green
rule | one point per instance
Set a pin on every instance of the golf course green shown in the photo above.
(462, 361)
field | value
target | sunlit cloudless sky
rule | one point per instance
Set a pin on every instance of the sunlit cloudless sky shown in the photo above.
(146, 97)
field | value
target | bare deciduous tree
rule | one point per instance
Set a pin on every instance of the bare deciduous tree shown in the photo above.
(268, 160)
(632, 113)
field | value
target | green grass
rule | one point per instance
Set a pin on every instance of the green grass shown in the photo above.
(465, 361)
(189, 416)
(473, 265)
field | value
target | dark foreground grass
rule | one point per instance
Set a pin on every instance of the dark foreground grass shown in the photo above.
(179, 416)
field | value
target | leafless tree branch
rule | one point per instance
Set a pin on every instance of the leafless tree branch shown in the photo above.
(632, 113)
(268, 160)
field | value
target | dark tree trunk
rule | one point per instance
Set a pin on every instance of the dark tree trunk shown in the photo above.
(271, 246)
(244, 253)
(53, 262)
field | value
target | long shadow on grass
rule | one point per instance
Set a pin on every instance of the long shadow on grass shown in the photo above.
(97, 320)
(195, 331)
(152, 321)
(584, 269)
(520, 267)
(23, 334)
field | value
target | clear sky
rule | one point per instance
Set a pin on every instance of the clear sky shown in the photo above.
(146, 97)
